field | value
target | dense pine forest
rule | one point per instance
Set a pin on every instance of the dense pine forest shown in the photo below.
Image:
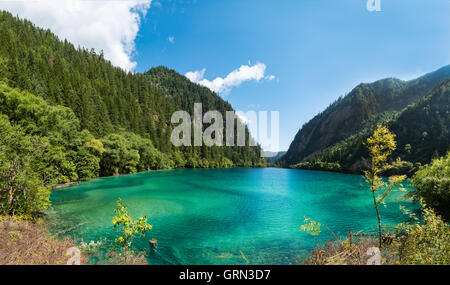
(417, 111)
(67, 114)
(104, 98)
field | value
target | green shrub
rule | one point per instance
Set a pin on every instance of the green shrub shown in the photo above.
(23, 190)
(400, 167)
(426, 244)
(432, 183)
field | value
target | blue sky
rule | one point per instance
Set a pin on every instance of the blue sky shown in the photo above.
(317, 49)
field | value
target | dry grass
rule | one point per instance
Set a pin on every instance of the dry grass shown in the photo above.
(25, 243)
(344, 253)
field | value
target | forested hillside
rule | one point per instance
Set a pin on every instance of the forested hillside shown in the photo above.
(422, 133)
(108, 102)
(355, 116)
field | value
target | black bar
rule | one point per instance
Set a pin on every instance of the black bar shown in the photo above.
(219, 274)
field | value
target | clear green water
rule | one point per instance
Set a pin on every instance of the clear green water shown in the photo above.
(208, 216)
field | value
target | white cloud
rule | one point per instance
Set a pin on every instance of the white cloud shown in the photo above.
(195, 76)
(171, 39)
(254, 106)
(233, 79)
(246, 120)
(111, 26)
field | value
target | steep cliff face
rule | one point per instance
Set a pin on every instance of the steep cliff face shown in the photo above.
(364, 106)
(422, 133)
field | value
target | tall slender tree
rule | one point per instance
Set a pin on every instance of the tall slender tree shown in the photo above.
(380, 145)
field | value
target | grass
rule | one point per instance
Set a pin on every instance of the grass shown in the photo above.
(346, 253)
(26, 243)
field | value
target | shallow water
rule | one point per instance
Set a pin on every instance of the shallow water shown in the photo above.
(217, 216)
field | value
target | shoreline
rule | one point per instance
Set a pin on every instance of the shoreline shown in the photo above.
(76, 183)
(65, 185)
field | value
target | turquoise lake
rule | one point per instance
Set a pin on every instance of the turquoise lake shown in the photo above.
(213, 216)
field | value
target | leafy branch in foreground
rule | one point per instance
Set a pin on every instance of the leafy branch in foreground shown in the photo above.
(127, 227)
(380, 146)
(313, 228)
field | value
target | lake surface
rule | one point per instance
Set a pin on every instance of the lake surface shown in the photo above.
(214, 216)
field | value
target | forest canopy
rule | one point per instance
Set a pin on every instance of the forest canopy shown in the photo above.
(67, 114)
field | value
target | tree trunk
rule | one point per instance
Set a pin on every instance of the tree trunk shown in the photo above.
(379, 219)
(11, 188)
(11, 179)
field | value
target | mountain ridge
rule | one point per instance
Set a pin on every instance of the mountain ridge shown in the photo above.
(365, 105)
(106, 99)
(421, 131)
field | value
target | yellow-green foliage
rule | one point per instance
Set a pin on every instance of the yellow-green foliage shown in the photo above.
(427, 243)
(381, 145)
(314, 228)
(127, 227)
(96, 146)
(311, 227)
